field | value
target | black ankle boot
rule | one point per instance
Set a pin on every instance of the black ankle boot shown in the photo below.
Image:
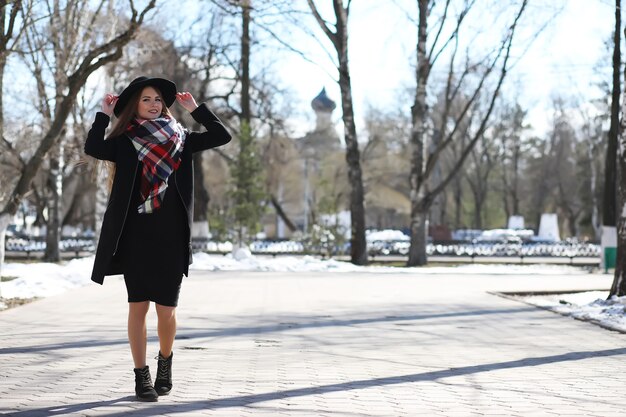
(163, 381)
(143, 385)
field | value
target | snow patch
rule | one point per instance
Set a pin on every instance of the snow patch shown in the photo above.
(589, 305)
(386, 235)
(45, 279)
(242, 254)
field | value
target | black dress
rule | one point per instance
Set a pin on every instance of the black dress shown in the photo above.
(153, 247)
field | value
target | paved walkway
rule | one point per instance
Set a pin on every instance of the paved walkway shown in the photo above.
(320, 344)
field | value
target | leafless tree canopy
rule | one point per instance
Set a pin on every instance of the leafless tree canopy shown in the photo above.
(456, 151)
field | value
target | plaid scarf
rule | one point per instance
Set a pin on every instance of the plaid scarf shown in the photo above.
(159, 144)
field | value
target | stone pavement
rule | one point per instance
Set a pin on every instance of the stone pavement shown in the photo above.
(320, 344)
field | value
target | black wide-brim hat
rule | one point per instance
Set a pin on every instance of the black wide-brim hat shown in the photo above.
(166, 87)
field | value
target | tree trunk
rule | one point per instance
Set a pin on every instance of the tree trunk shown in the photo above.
(74, 187)
(515, 195)
(592, 181)
(281, 213)
(609, 207)
(94, 59)
(443, 204)
(6, 33)
(246, 171)
(358, 247)
(618, 288)
(5, 219)
(505, 205)
(3, 63)
(572, 219)
(201, 199)
(417, 252)
(201, 195)
(53, 225)
(419, 237)
(423, 159)
(246, 113)
(478, 210)
(339, 38)
(458, 201)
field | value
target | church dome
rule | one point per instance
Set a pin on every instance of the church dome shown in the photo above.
(323, 103)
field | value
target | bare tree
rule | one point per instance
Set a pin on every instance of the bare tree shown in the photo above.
(511, 147)
(564, 162)
(477, 175)
(9, 35)
(247, 95)
(423, 160)
(609, 206)
(552, 171)
(592, 143)
(49, 58)
(99, 53)
(339, 39)
(618, 287)
(540, 173)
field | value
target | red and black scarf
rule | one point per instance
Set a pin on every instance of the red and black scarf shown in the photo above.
(159, 144)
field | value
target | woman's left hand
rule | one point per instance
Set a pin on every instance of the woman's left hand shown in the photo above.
(187, 101)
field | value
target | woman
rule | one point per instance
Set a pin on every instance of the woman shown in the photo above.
(146, 231)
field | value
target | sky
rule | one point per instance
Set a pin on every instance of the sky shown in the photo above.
(560, 61)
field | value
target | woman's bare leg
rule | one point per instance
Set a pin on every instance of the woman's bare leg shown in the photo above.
(137, 333)
(166, 328)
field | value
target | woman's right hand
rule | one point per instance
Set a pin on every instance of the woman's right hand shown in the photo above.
(108, 104)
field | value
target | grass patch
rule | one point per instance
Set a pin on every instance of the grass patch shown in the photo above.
(15, 302)
(402, 264)
(6, 303)
(384, 263)
(7, 278)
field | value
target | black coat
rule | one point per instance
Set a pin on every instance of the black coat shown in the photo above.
(121, 151)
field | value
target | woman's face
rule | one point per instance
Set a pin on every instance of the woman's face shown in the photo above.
(150, 105)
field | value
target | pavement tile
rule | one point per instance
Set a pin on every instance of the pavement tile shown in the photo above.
(320, 344)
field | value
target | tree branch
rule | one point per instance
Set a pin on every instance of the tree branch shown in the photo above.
(507, 43)
(75, 82)
(460, 19)
(331, 35)
(281, 213)
(17, 5)
(14, 152)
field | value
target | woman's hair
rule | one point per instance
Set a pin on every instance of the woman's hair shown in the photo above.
(128, 113)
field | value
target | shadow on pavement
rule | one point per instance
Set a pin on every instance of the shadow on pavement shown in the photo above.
(247, 400)
(68, 409)
(184, 334)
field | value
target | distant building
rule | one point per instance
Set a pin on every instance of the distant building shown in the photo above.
(310, 181)
(324, 138)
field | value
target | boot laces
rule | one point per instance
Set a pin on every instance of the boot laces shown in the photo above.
(146, 380)
(163, 370)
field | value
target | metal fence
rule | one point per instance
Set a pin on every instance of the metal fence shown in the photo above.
(34, 245)
(528, 249)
